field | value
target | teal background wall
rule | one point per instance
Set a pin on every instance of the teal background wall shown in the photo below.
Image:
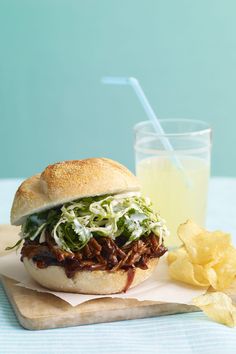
(54, 52)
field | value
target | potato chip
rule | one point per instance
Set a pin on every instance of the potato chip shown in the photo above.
(172, 256)
(180, 268)
(218, 306)
(202, 246)
(189, 228)
(225, 270)
(205, 258)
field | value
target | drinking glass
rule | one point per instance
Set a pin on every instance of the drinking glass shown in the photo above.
(176, 180)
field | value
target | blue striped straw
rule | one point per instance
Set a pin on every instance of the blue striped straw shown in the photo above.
(134, 83)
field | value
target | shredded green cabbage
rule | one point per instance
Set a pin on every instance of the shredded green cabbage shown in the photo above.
(73, 224)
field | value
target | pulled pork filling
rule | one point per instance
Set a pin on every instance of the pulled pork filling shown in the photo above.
(108, 232)
(100, 253)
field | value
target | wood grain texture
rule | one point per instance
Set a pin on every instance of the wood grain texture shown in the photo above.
(37, 311)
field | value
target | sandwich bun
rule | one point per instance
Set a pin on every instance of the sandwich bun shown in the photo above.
(70, 180)
(99, 282)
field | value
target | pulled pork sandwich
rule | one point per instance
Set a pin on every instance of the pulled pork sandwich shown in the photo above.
(86, 228)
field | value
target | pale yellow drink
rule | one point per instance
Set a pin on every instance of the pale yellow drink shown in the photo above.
(178, 196)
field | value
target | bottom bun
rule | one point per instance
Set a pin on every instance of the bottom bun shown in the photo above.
(99, 282)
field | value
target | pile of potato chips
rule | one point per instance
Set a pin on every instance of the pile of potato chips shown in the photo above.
(206, 259)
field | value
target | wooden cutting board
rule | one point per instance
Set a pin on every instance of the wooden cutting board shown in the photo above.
(36, 310)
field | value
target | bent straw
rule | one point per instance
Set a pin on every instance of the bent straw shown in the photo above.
(134, 83)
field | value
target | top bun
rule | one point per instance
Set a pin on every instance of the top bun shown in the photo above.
(70, 180)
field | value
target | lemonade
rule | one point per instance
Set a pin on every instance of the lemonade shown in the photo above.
(179, 194)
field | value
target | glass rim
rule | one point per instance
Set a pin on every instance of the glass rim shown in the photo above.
(205, 127)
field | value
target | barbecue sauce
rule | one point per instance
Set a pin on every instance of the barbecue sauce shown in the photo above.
(130, 278)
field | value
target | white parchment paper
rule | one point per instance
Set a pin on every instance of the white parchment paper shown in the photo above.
(159, 287)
